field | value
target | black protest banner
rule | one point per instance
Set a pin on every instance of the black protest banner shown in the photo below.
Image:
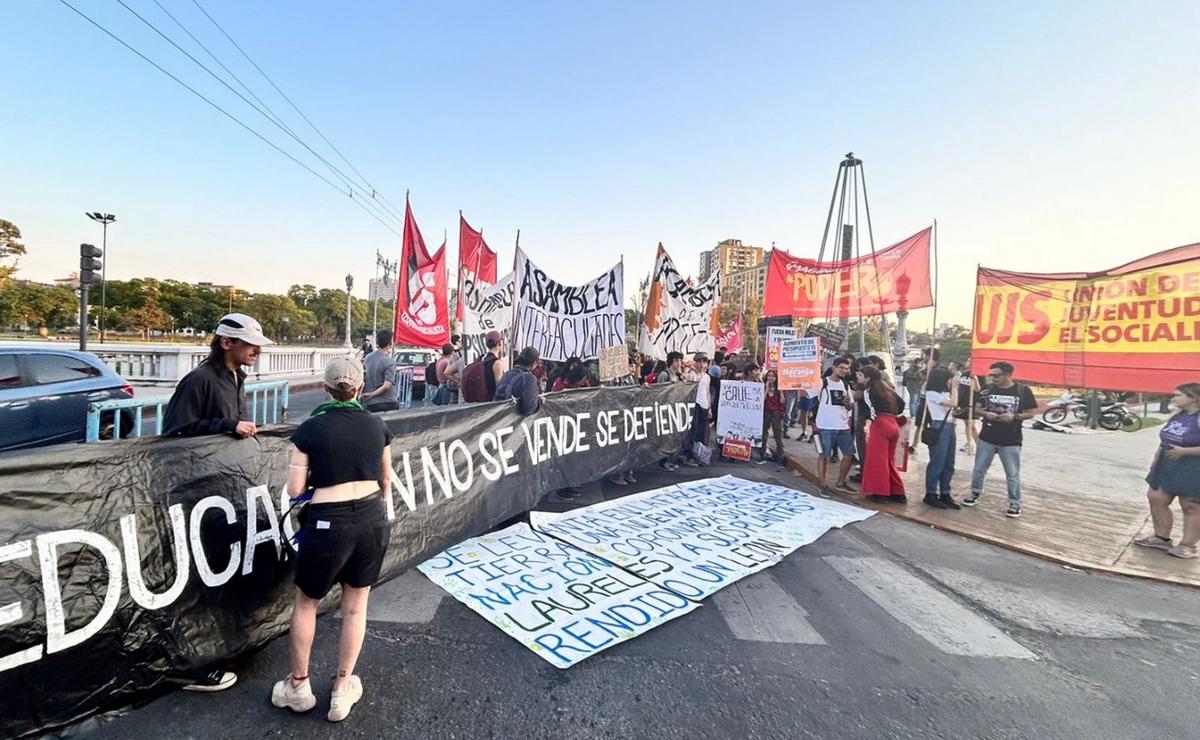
(564, 321)
(125, 566)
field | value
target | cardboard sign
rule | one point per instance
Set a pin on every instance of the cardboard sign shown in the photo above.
(736, 449)
(741, 412)
(614, 362)
(775, 336)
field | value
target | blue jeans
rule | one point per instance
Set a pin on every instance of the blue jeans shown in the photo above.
(789, 403)
(1010, 458)
(940, 470)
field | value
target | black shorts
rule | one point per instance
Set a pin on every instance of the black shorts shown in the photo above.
(342, 542)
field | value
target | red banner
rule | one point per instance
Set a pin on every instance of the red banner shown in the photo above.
(422, 310)
(890, 280)
(476, 262)
(1132, 328)
(731, 337)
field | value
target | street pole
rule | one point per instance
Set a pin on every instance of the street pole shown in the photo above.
(104, 219)
(349, 286)
(83, 316)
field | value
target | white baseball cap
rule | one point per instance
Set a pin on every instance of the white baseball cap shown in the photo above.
(240, 326)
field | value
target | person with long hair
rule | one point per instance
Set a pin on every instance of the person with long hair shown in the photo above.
(880, 478)
(342, 454)
(1175, 473)
(941, 399)
(774, 408)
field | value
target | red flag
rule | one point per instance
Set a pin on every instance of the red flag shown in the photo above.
(476, 262)
(731, 338)
(422, 310)
(892, 279)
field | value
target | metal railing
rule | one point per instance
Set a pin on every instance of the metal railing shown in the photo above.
(404, 391)
(266, 401)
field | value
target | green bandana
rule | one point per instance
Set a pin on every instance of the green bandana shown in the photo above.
(330, 405)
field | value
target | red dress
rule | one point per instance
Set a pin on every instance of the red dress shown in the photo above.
(879, 474)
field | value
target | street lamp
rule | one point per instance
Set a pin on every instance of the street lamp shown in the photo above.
(349, 285)
(104, 219)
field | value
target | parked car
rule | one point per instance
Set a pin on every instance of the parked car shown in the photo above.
(418, 360)
(44, 396)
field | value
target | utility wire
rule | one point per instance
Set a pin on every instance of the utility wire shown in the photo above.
(374, 192)
(226, 113)
(337, 173)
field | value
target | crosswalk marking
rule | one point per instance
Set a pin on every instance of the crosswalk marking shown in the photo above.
(946, 624)
(758, 609)
(410, 599)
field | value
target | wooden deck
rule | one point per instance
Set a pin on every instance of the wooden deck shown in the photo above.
(1059, 522)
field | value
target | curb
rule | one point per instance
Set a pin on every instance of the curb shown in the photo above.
(808, 475)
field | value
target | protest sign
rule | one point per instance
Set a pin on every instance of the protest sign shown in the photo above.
(679, 316)
(561, 602)
(614, 362)
(886, 281)
(696, 537)
(1132, 328)
(800, 365)
(564, 321)
(740, 412)
(736, 449)
(485, 308)
(129, 563)
(775, 336)
(832, 338)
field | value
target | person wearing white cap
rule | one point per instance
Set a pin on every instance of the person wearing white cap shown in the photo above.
(342, 458)
(209, 399)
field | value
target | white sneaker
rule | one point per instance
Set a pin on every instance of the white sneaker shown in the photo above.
(297, 697)
(343, 701)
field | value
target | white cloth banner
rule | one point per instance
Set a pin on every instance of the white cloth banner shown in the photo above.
(679, 317)
(564, 321)
(740, 412)
(560, 602)
(485, 308)
(697, 537)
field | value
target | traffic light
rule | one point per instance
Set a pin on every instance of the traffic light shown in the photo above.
(89, 265)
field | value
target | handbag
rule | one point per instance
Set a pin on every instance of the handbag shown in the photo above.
(930, 436)
(702, 453)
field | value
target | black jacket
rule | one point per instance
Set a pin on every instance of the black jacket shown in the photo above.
(520, 384)
(209, 400)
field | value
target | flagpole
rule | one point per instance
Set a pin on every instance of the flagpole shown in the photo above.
(512, 331)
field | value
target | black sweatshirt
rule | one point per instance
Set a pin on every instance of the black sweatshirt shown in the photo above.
(208, 400)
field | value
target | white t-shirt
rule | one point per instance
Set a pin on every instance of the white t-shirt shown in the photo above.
(939, 404)
(702, 392)
(831, 414)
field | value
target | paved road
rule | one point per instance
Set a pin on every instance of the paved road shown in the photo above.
(882, 630)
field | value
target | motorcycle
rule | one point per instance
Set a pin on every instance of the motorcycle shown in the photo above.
(1116, 416)
(1068, 403)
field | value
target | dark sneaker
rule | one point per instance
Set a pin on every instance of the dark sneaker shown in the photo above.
(629, 478)
(691, 463)
(215, 681)
(856, 478)
(971, 500)
(568, 493)
(948, 501)
(845, 487)
(934, 501)
(1014, 511)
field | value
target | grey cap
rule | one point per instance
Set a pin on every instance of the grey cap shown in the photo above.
(344, 373)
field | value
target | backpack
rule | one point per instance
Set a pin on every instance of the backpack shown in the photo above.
(474, 383)
(431, 373)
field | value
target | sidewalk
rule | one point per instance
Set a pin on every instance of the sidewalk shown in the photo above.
(1083, 502)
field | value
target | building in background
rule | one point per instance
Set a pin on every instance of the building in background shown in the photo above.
(730, 256)
(749, 281)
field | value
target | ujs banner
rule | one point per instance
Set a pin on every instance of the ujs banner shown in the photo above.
(679, 316)
(1132, 328)
(564, 321)
(886, 281)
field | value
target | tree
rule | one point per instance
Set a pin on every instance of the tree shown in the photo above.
(149, 317)
(10, 249)
(37, 305)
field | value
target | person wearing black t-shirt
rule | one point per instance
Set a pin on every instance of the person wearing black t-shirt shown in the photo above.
(342, 458)
(1002, 406)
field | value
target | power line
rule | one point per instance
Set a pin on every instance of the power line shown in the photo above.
(227, 114)
(296, 108)
(337, 173)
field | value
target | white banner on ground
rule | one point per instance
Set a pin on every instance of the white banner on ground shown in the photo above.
(560, 602)
(740, 412)
(564, 321)
(485, 308)
(697, 537)
(679, 316)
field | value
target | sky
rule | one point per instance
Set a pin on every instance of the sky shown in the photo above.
(1042, 136)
